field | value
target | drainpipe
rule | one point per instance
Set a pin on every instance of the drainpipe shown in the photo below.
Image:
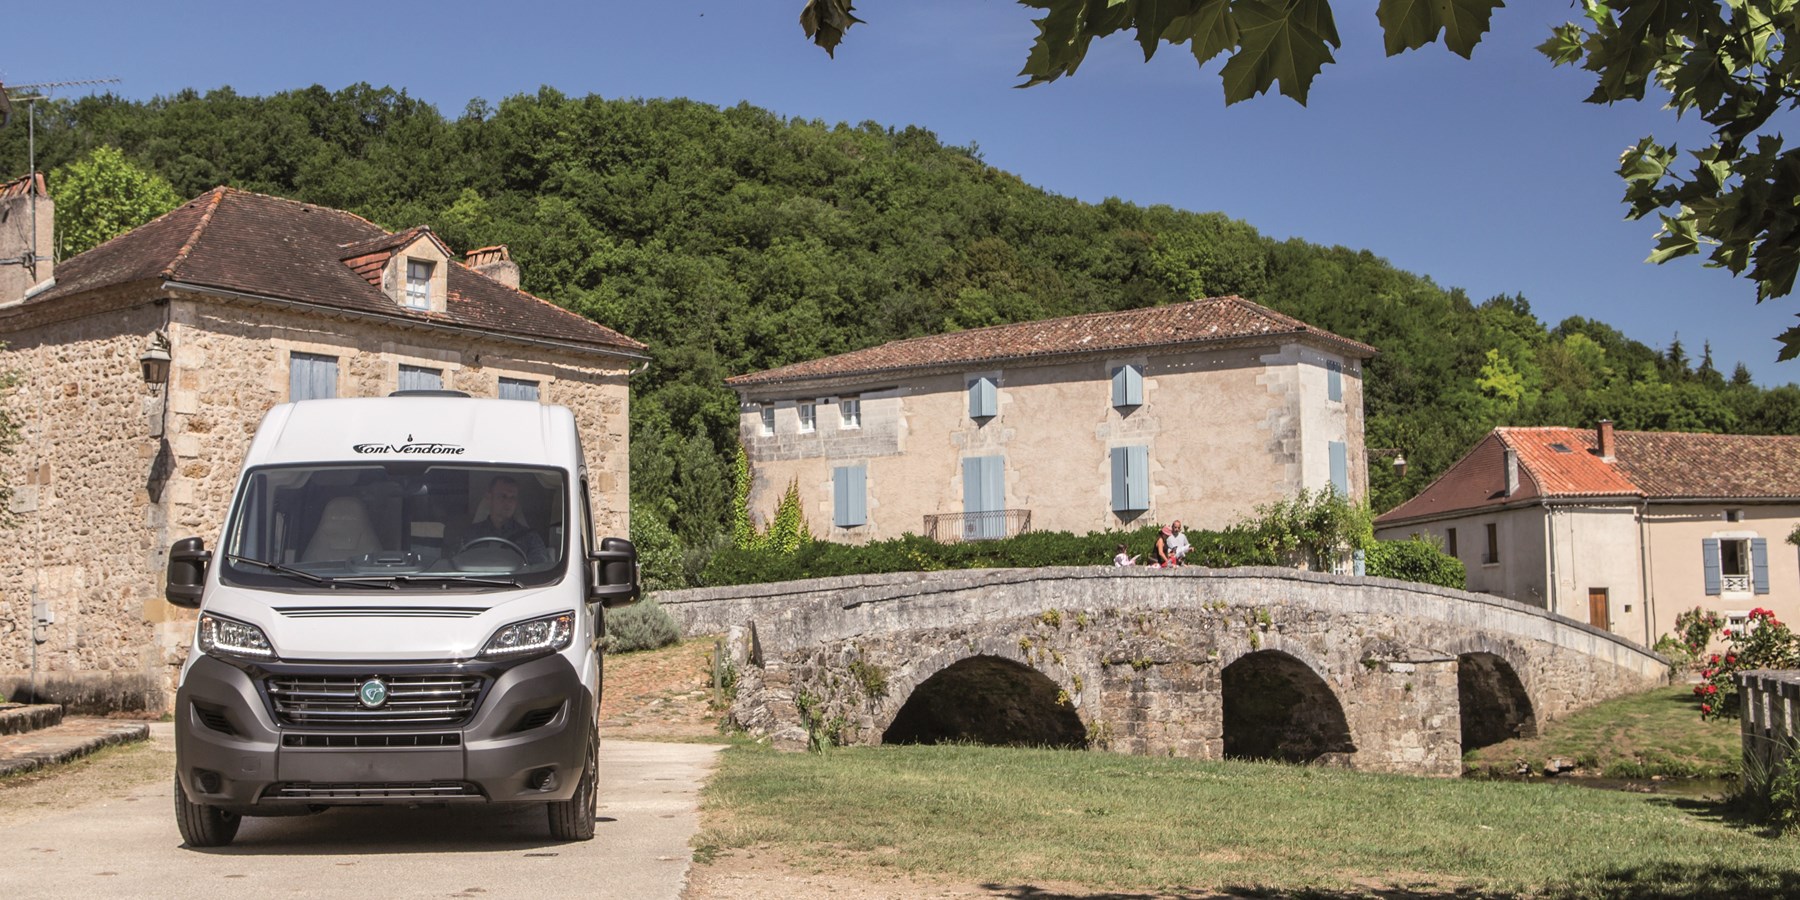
(1644, 572)
(1549, 555)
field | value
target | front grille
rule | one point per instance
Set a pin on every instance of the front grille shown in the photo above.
(376, 790)
(365, 741)
(381, 612)
(315, 700)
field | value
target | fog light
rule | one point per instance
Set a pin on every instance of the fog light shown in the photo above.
(543, 780)
(207, 781)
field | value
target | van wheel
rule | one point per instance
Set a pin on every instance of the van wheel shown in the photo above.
(573, 819)
(202, 825)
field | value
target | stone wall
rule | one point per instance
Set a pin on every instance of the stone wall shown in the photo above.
(111, 470)
(1142, 657)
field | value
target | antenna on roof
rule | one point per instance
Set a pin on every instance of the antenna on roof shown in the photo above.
(31, 94)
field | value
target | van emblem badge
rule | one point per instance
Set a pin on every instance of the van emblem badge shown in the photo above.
(373, 693)
(411, 447)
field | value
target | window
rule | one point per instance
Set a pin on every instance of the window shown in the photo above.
(312, 377)
(809, 418)
(1735, 565)
(1340, 468)
(983, 398)
(850, 412)
(1130, 479)
(984, 497)
(419, 378)
(1450, 541)
(1492, 556)
(517, 389)
(849, 496)
(1127, 386)
(768, 420)
(418, 284)
(1334, 381)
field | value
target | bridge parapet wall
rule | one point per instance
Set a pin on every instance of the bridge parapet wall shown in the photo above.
(1140, 655)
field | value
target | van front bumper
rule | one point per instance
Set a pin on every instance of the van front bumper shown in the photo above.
(526, 739)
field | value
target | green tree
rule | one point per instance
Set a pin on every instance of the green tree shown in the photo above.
(103, 195)
(1724, 61)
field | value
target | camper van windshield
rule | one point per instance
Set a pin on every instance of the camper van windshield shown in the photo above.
(401, 525)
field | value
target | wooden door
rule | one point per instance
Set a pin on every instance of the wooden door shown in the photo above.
(1598, 609)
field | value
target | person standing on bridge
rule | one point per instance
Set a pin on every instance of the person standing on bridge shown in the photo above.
(1124, 559)
(1161, 551)
(1178, 544)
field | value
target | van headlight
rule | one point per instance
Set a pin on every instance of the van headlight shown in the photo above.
(220, 636)
(546, 635)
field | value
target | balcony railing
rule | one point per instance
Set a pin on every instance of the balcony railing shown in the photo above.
(949, 528)
(1735, 584)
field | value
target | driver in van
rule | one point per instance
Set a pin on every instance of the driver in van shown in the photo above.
(503, 521)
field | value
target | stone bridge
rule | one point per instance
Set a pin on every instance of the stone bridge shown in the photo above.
(1250, 663)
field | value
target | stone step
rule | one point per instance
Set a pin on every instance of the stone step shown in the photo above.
(75, 737)
(17, 718)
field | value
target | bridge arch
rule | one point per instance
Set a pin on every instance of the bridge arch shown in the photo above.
(1491, 700)
(984, 694)
(1277, 707)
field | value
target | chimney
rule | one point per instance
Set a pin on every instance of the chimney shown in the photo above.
(1512, 471)
(1606, 440)
(24, 264)
(494, 262)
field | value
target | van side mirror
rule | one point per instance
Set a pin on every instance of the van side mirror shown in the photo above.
(188, 559)
(613, 574)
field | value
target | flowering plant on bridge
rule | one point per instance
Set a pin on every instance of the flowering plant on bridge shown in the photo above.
(1763, 643)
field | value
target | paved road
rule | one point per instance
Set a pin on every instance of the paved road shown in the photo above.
(128, 846)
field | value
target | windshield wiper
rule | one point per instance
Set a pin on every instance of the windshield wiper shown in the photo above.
(429, 578)
(290, 571)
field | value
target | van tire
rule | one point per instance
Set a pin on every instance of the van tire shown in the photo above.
(573, 819)
(202, 825)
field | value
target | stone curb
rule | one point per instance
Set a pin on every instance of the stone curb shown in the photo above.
(55, 751)
(20, 719)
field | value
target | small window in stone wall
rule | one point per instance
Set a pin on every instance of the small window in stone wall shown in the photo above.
(767, 414)
(420, 378)
(418, 284)
(518, 389)
(312, 376)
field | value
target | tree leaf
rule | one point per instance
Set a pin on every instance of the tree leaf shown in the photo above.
(825, 22)
(1210, 29)
(1411, 24)
(1153, 18)
(1276, 45)
(1790, 343)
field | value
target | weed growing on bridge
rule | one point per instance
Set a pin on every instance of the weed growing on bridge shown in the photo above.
(1081, 621)
(1052, 618)
(871, 677)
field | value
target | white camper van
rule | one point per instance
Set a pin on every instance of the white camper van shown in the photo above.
(406, 607)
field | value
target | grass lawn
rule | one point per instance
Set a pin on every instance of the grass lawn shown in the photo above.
(1131, 823)
(1658, 732)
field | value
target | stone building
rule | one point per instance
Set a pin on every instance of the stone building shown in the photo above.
(1623, 530)
(146, 363)
(1198, 411)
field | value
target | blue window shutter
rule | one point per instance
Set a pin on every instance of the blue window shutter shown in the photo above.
(982, 401)
(1127, 386)
(1334, 381)
(1340, 469)
(1120, 473)
(1709, 548)
(518, 389)
(993, 483)
(972, 493)
(840, 496)
(859, 495)
(419, 378)
(1759, 564)
(1137, 477)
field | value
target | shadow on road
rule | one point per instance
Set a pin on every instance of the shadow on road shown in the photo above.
(357, 831)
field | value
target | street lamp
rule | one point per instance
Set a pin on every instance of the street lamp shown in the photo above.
(155, 360)
(1398, 455)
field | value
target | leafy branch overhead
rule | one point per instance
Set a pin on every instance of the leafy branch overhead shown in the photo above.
(1722, 60)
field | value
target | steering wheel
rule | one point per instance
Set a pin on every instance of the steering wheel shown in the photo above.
(494, 539)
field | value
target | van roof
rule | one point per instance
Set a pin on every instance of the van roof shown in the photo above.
(452, 429)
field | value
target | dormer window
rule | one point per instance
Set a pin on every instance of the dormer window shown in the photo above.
(418, 284)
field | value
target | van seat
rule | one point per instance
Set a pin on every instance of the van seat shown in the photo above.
(344, 532)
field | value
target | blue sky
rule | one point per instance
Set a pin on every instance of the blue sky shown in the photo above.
(1490, 175)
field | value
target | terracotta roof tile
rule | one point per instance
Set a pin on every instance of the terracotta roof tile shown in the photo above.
(267, 246)
(1193, 322)
(22, 186)
(1565, 463)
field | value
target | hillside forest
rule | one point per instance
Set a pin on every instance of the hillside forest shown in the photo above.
(733, 240)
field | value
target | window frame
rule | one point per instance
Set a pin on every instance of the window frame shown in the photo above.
(418, 291)
(809, 416)
(850, 412)
(766, 420)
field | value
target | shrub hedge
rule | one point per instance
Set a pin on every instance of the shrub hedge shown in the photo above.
(1410, 560)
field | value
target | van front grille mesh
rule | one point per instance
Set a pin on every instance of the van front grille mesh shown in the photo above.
(315, 700)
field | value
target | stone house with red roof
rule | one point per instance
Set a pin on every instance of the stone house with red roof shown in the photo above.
(249, 301)
(1621, 529)
(1198, 411)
